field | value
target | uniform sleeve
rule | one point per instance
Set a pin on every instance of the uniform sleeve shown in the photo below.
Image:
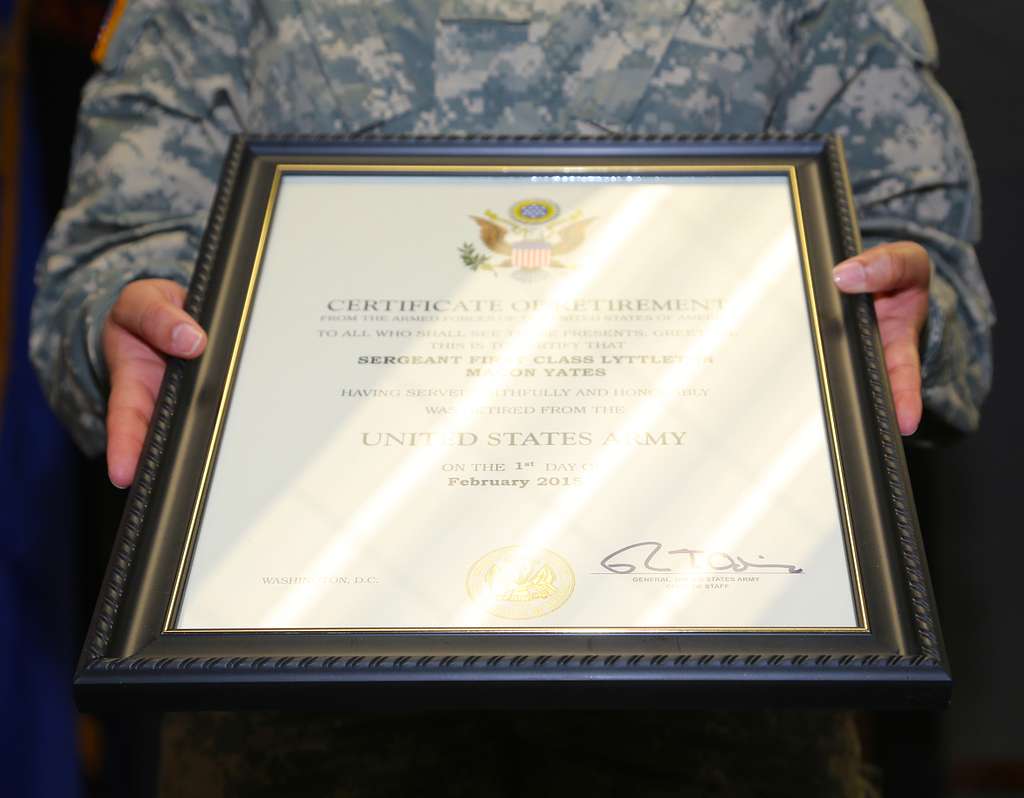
(154, 125)
(864, 70)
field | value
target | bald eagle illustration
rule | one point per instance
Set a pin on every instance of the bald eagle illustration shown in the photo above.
(531, 253)
(521, 581)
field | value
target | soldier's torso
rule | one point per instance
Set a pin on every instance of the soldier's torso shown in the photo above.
(516, 66)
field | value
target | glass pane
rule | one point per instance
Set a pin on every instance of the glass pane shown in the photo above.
(563, 402)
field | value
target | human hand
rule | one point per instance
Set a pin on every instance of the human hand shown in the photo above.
(146, 323)
(898, 275)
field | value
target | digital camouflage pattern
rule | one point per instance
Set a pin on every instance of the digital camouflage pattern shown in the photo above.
(179, 78)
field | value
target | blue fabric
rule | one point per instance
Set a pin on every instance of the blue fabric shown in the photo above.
(37, 541)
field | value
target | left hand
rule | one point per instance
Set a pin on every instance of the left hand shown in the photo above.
(898, 275)
(145, 324)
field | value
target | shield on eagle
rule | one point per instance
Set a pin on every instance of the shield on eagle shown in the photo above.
(531, 255)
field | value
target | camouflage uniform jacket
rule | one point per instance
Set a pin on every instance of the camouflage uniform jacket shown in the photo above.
(179, 78)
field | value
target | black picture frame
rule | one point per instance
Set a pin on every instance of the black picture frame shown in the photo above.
(130, 661)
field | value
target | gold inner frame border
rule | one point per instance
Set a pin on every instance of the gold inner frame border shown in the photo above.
(499, 170)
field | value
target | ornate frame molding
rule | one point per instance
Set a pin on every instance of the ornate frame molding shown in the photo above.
(101, 671)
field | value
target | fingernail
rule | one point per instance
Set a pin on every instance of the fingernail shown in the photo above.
(185, 339)
(850, 275)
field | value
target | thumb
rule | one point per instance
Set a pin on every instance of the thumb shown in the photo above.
(884, 269)
(152, 311)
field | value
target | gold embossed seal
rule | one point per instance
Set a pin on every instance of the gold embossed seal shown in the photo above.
(518, 583)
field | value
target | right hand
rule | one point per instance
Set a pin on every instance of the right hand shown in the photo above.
(146, 323)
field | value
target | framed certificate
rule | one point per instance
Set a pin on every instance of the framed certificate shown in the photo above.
(481, 418)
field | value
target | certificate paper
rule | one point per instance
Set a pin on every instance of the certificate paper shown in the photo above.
(567, 402)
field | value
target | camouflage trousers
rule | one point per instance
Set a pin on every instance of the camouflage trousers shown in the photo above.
(513, 753)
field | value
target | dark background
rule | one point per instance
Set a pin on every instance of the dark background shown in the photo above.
(966, 493)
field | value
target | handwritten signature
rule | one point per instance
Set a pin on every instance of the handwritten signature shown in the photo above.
(625, 560)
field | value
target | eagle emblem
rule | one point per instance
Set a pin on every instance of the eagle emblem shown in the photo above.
(529, 241)
(519, 583)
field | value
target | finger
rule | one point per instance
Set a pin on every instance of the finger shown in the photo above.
(132, 398)
(151, 310)
(903, 364)
(136, 371)
(885, 268)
